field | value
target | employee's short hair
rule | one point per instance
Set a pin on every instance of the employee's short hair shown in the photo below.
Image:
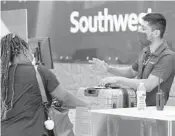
(157, 21)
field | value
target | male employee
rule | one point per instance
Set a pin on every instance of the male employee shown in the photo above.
(155, 61)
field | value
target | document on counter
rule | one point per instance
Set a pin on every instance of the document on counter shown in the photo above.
(83, 125)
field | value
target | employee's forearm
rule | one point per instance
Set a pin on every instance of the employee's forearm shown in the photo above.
(73, 102)
(120, 71)
(134, 83)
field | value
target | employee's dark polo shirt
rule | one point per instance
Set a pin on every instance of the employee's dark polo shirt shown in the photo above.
(161, 64)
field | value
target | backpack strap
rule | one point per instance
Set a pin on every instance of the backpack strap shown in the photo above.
(41, 86)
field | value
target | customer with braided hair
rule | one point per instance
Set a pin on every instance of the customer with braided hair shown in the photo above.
(22, 112)
(9, 50)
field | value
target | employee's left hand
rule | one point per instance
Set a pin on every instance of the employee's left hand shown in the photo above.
(110, 80)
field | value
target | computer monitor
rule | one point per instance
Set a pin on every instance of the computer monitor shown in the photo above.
(41, 48)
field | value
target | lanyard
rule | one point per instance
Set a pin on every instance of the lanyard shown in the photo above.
(146, 62)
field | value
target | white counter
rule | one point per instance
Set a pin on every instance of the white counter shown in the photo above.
(168, 114)
(132, 122)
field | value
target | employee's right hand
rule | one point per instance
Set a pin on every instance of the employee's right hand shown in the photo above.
(99, 65)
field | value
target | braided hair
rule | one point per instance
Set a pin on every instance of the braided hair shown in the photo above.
(11, 46)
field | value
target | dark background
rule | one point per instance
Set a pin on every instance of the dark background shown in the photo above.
(52, 19)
